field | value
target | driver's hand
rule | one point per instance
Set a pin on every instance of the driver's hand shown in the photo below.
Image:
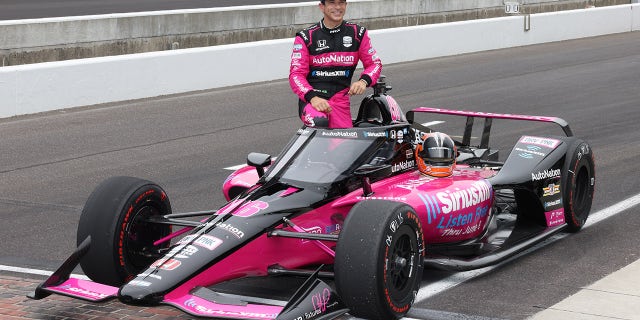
(357, 87)
(320, 104)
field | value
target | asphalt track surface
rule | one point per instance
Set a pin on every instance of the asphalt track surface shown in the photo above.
(50, 162)
(32, 9)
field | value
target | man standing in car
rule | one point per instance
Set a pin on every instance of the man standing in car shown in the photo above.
(324, 58)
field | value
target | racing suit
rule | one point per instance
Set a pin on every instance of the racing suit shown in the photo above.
(322, 64)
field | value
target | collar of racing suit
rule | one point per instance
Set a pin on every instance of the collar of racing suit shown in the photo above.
(331, 30)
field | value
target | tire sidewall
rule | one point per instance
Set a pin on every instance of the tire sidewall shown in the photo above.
(404, 223)
(367, 239)
(581, 160)
(108, 216)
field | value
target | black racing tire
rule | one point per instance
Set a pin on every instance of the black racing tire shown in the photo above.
(578, 184)
(121, 240)
(378, 265)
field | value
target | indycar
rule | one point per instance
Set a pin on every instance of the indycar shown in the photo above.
(345, 212)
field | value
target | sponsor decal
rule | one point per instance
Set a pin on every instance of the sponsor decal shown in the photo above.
(334, 58)
(303, 132)
(555, 217)
(337, 73)
(347, 41)
(183, 251)
(334, 30)
(584, 149)
(530, 151)
(478, 192)
(187, 251)
(205, 241)
(319, 301)
(554, 203)
(166, 264)
(303, 35)
(368, 134)
(300, 84)
(84, 292)
(341, 134)
(194, 305)
(371, 50)
(414, 183)
(382, 198)
(314, 230)
(246, 210)
(403, 165)
(458, 212)
(395, 224)
(231, 229)
(296, 55)
(333, 229)
(322, 45)
(399, 135)
(139, 283)
(462, 219)
(409, 154)
(546, 174)
(297, 47)
(550, 190)
(545, 142)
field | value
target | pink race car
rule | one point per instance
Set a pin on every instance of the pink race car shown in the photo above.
(345, 210)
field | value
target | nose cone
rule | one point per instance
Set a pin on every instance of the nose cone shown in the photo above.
(134, 294)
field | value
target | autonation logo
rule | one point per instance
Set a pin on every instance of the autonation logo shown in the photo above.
(546, 174)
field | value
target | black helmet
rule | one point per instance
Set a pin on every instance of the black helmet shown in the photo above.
(436, 155)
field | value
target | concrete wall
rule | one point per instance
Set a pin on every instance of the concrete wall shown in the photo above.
(56, 85)
(56, 39)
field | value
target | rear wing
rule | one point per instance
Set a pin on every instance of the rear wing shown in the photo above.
(471, 115)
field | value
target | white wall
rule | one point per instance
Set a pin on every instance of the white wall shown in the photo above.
(48, 86)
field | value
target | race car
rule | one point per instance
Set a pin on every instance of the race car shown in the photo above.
(344, 212)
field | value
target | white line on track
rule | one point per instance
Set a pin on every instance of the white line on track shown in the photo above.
(435, 288)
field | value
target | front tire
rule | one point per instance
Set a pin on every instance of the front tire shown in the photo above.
(579, 185)
(115, 216)
(378, 265)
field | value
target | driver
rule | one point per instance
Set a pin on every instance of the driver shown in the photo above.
(324, 58)
(436, 155)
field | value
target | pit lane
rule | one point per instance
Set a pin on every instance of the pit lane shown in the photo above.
(52, 161)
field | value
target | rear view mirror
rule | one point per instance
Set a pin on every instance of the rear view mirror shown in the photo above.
(259, 161)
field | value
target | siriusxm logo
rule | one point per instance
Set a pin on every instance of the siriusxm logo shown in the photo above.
(375, 134)
(342, 73)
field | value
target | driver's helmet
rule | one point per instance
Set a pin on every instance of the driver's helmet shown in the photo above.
(436, 155)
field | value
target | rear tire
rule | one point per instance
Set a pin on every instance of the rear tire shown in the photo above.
(579, 185)
(121, 240)
(378, 265)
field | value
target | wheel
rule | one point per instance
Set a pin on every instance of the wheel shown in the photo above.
(579, 184)
(115, 216)
(378, 264)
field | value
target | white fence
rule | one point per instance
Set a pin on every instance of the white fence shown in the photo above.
(26, 89)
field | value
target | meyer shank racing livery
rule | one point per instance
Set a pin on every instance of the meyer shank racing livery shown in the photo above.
(342, 221)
